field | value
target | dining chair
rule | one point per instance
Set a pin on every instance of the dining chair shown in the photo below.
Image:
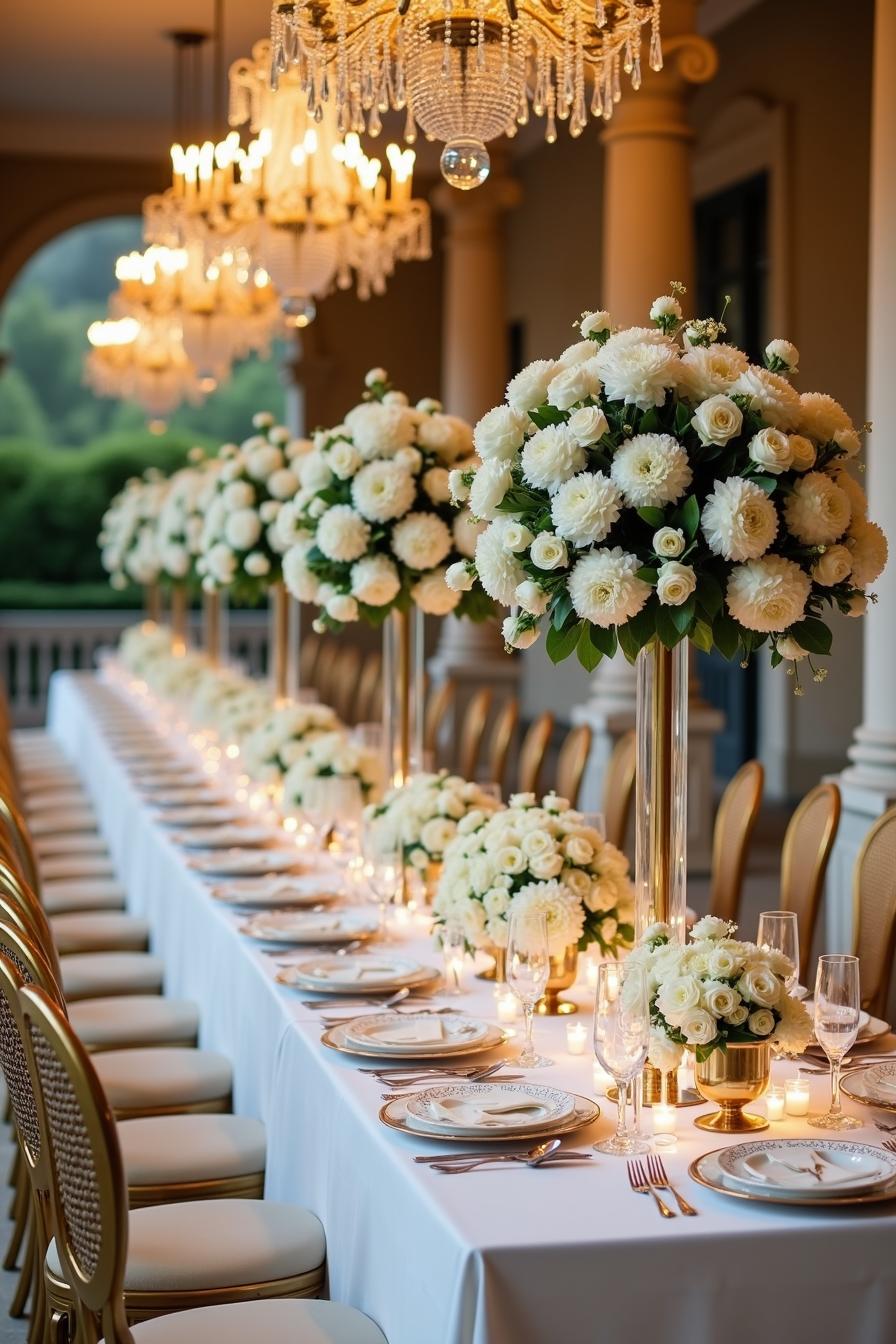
(532, 753)
(344, 673)
(571, 762)
(808, 842)
(368, 701)
(874, 912)
(308, 652)
(735, 821)
(114, 1266)
(619, 788)
(472, 730)
(500, 740)
(439, 706)
(323, 668)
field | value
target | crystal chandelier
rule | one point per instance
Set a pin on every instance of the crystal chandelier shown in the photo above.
(301, 197)
(144, 362)
(466, 71)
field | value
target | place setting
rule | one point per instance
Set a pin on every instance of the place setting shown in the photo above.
(810, 1172)
(352, 978)
(301, 886)
(489, 1112)
(197, 814)
(249, 862)
(225, 835)
(311, 926)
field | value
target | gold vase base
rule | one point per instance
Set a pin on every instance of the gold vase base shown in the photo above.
(731, 1120)
(554, 1007)
(490, 973)
(687, 1098)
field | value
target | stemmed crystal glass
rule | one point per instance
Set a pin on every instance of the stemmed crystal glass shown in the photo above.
(779, 931)
(527, 969)
(621, 1036)
(382, 872)
(837, 1005)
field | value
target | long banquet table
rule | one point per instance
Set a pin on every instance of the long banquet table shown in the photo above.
(505, 1255)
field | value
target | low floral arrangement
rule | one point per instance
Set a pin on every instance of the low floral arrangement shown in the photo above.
(283, 738)
(228, 704)
(422, 818)
(129, 549)
(333, 756)
(239, 546)
(147, 651)
(715, 990)
(139, 645)
(372, 527)
(652, 483)
(543, 857)
(182, 514)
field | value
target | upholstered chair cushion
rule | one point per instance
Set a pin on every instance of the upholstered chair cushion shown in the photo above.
(152, 1079)
(177, 1149)
(134, 1019)
(99, 931)
(94, 975)
(279, 1321)
(63, 820)
(68, 894)
(75, 865)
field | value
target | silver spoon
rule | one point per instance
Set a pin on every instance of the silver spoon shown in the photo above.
(533, 1158)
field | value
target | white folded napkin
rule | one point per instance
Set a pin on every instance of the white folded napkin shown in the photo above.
(409, 1033)
(795, 1171)
(356, 972)
(467, 1114)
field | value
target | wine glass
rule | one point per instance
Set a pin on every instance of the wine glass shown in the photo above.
(837, 1002)
(779, 931)
(382, 872)
(527, 969)
(621, 1035)
(454, 950)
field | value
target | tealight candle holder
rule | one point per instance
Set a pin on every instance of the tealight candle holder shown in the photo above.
(796, 1096)
(664, 1119)
(576, 1037)
(774, 1103)
(507, 1006)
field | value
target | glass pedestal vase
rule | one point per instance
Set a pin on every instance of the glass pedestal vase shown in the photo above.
(562, 974)
(732, 1077)
(179, 608)
(283, 643)
(215, 635)
(403, 694)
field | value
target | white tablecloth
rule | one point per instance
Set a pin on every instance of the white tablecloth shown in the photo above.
(503, 1256)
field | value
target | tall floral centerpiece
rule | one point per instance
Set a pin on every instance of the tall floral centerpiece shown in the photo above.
(372, 531)
(542, 856)
(129, 549)
(652, 487)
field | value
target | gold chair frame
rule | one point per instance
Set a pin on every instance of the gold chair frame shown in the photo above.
(735, 822)
(472, 732)
(808, 842)
(619, 789)
(572, 760)
(874, 912)
(501, 739)
(438, 706)
(532, 753)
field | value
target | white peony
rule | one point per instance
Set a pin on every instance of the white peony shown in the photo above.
(821, 417)
(675, 583)
(421, 540)
(383, 490)
(530, 386)
(499, 571)
(499, 434)
(867, 547)
(711, 926)
(638, 366)
(242, 529)
(587, 425)
(532, 597)
(585, 508)
(708, 370)
(651, 470)
(769, 594)
(668, 542)
(605, 589)
(739, 521)
(817, 511)
(432, 594)
(550, 457)
(769, 395)
(549, 552)
(802, 452)
(374, 580)
(490, 485)
(717, 419)
(771, 449)
(833, 566)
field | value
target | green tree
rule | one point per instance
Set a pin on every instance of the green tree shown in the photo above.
(20, 411)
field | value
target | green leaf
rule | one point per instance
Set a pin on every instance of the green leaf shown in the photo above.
(603, 638)
(650, 421)
(709, 592)
(682, 418)
(812, 634)
(629, 642)
(683, 615)
(648, 574)
(560, 643)
(767, 483)
(701, 635)
(775, 658)
(586, 651)
(690, 517)
(561, 610)
(726, 634)
(666, 629)
(653, 517)
(546, 415)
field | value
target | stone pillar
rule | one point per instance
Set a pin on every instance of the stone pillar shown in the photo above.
(474, 375)
(647, 159)
(302, 372)
(869, 782)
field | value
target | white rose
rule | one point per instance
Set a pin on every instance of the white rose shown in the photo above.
(664, 307)
(802, 452)
(782, 356)
(460, 491)
(578, 849)
(374, 580)
(587, 425)
(738, 1017)
(342, 607)
(532, 597)
(516, 536)
(698, 1026)
(549, 551)
(517, 635)
(789, 648)
(344, 459)
(593, 324)
(719, 999)
(662, 1053)
(722, 963)
(832, 567)
(675, 583)
(545, 866)
(256, 564)
(374, 376)
(771, 449)
(677, 996)
(762, 1022)
(669, 542)
(759, 985)
(458, 577)
(314, 473)
(242, 529)
(717, 419)
(511, 859)
(858, 605)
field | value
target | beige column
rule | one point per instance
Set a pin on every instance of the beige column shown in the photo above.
(648, 241)
(869, 782)
(474, 375)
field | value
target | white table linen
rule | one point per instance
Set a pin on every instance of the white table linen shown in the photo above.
(502, 1256)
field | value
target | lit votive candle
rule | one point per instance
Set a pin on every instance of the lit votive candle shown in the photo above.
(576, 1036)
(591, 973)
(796, 1096)
(665, 1123)
(774, 1103)
(507, 1007)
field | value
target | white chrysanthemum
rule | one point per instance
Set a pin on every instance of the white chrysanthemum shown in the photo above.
(858, 500)
(573, 384)
(378, 430)
(768, 395)
(739, 520)
(421, 540)
(499, 434)
(374, 580)
(490, 485)
(435, 484)
(768, 594)
(500, 573)
(868, 548)
(665, 306)
(446, 436)
(605, 588)
(651, 470)
(552, 456)
(257, 564)
(342, 534)
(283, 484)
(383, 490)
(242, 529)
(707, 370)
(563, 912)
(577, 353)
(794, 1028)
(296, 575)
(817, 511)
(585, 508)
(239, 495)
(466, 531)
(530, 386)
(638, 366)
(432, 594)
(263, 462)
(822, 417)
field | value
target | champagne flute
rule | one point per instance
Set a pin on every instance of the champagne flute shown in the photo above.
(382, 872)
(454, 951)
(527, 969)
(621, 1035)
(779, 931)
(837, 1004)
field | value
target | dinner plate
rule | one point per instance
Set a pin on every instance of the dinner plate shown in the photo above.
(585, 1112)
(857, 1086)
(207, 814)
(222, 837)
(472, 1109)
(167, 795)
(880, 1080)
(302, 926)
(789, 1166)
(705, 1170)
(334, 1038)
(277, 892)
(365, 974)
(386, 1033)
(245, 862)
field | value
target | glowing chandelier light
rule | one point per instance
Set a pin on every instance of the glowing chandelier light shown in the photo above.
(303, 199)
(465, 71)
(141, 361)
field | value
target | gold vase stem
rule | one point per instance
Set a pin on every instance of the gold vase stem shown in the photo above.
(152, 602)
(661, 785)
(180, 611)
(211, 621)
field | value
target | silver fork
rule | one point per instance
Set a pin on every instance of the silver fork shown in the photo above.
(889, 1145)
(657, 1172)
(637, 1179)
